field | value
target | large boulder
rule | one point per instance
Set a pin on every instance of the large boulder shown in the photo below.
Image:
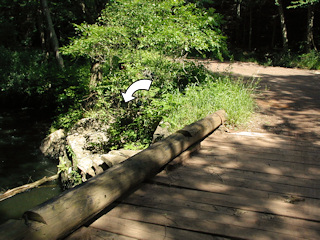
(76, 145)
(53, 146)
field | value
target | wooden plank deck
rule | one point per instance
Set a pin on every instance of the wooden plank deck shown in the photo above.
(237, 186)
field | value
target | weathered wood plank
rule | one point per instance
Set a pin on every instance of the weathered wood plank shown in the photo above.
(196, 221)
(256, 198)
(262, 153)
(221, 172)
(161, 197)
(248, 199)
(267, 140)
(146, 231)
(257, 164)
(209, 174)
(90, 233)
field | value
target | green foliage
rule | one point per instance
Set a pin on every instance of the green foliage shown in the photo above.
(142, 35)
(68, 168)
(309, 60)
(27, 76)
(169, 27)
(135, 121)
(75, 178)
(302, 3)
(145, 37)
(218, 92)
(24, 72)
(63, 166)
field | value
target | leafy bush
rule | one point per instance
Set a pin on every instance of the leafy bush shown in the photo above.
(135, 121)
(148, 39)
(309, 60)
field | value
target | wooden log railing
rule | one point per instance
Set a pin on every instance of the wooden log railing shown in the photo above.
(63, 214)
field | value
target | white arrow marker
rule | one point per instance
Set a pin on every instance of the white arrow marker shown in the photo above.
(138, 85)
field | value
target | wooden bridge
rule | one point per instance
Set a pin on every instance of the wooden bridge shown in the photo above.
(236, 186)
(239, 185)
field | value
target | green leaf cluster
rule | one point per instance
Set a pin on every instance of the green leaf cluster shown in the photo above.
(302, 3)
(173, 28)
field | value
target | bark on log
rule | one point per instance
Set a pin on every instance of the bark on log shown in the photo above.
(14, 191)
(59, 216)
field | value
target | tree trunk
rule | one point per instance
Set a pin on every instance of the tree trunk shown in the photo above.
(250, 29)
(274, 28)
(52, 33)
(96, 75)
(42, 32)
(310, 40)
(283, 26)
(89, 16)
(238, 22)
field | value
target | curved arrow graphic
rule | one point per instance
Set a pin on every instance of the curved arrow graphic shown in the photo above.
(138, 85)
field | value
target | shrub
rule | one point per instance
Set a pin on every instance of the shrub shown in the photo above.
(149, 39)
(309, 60)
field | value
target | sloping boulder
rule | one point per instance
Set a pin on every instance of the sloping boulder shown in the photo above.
(53, 146)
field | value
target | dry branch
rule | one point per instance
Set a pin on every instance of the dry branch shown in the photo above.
(14, 191)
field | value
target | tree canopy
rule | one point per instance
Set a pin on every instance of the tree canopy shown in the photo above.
(170, 27)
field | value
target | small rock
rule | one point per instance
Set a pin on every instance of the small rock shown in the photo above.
(125, 152)
(115, 157)
(85, 165)
(112, 159)
(161, 132)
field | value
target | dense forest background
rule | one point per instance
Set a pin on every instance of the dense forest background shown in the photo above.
(53, 53)
(249, 25)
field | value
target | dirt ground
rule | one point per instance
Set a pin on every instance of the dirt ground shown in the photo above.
(288, 100)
